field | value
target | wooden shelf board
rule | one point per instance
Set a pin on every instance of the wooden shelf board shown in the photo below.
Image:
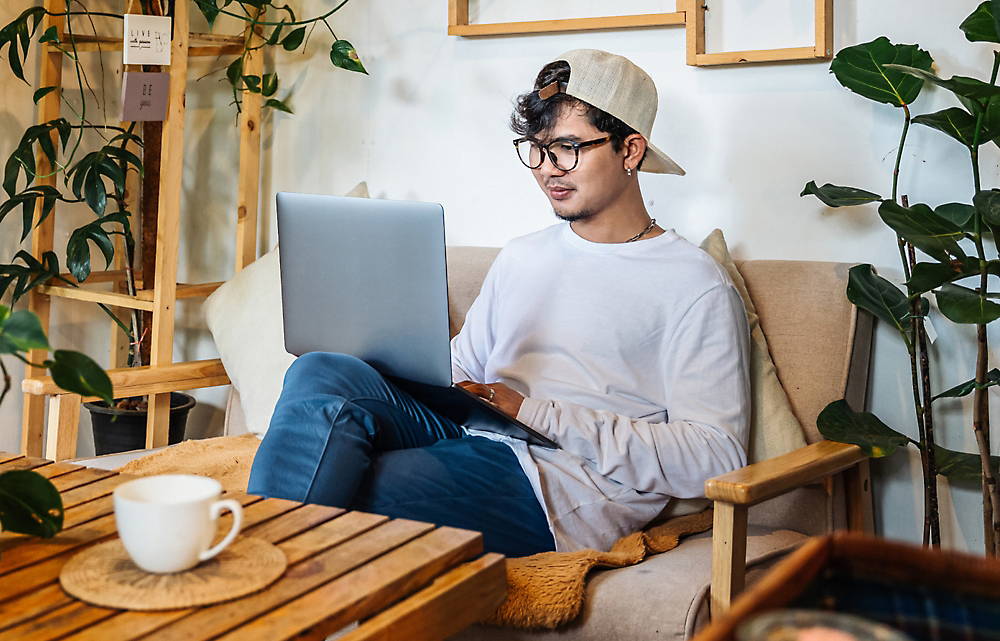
(199, 290)
(108, 298)
(134, 381)
(202, 44)
(570, 24)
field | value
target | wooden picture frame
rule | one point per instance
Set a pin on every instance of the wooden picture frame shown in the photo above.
(691, 14)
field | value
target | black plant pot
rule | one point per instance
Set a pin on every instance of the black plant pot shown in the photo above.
(117, 430)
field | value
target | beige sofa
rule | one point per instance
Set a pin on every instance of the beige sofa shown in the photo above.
(820, 346)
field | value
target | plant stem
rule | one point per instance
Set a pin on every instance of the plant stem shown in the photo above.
(895, 182)
(932, 517)
(899, 153)
(918, 405)
(6, 381)
(287, 24)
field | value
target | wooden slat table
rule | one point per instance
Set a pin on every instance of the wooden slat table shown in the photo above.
(402, 579)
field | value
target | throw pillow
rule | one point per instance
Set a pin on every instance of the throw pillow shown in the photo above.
(774, 430)
(244, 316)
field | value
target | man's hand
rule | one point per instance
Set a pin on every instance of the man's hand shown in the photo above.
(498, 394)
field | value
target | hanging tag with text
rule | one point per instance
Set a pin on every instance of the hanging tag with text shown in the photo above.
(144, 96)
(147, 40)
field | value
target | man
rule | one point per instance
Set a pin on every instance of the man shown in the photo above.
(614, 337)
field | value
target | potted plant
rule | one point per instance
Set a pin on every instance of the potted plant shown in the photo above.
(95, 175)
(955, 263)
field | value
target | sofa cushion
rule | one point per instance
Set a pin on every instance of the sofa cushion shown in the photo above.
(244, 316)
(663, 597)
(774, 430)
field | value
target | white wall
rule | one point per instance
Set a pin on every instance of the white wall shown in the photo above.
(429, 123)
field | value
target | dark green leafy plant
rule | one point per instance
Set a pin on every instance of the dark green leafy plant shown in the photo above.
(29, 503)
(953, 236)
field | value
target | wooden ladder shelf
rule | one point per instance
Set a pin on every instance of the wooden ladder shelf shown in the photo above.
(59, 441)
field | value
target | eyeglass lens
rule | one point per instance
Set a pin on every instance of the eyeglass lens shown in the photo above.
(562, 154)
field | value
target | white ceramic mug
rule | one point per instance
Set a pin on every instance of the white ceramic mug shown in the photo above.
(167, 522)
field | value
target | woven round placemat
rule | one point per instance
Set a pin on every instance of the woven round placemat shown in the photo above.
(104, 575)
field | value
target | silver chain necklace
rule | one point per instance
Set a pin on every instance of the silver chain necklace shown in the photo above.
(652, 223)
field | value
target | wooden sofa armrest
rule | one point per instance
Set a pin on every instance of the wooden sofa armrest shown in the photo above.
(735, 492)
(776, 476)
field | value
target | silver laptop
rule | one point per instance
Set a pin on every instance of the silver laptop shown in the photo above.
(368, 278)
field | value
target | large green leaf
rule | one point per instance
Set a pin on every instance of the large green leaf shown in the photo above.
(963, 305)
(27, 200)
(970, 88)
(208, 9)
(78, 373)
(960, 466)
(980, 26)
(838, 422)
(875, 294)
(29, 504)
(26, 277)
(987, 203)
(21, 331)
(17, 35)
(924, 229)
(925, 277)
(78, 248)
(837, 196)
(966, 388)
(274, 103)
(292, 41)
(343, 55)
(954, 121)
(958, 213)
(862, 69)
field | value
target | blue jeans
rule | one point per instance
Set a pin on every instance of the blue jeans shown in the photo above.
(343, 435)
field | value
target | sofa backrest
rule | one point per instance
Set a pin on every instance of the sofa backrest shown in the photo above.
(812, 330)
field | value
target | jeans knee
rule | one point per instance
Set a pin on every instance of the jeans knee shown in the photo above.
(328, 373)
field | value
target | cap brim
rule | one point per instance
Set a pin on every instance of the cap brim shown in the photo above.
(657, 162)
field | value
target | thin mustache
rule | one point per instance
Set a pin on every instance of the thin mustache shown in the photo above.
(555, 185)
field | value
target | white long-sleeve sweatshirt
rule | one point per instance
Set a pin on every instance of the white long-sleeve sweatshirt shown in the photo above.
(633, 357)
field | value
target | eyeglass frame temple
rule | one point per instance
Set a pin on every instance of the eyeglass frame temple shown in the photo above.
(577, 146)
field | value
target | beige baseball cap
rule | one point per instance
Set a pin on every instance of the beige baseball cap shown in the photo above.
(614, 84)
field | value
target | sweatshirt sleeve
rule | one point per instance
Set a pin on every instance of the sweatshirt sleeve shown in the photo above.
(705, 371)
(474, 342)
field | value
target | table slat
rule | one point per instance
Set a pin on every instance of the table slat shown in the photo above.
(31, 605)
(368, 589)
(80, 477)
(59, 622)
(53, 470)
(23, 463)
(454, 601)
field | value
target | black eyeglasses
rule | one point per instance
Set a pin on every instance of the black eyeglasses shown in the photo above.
(564, 154)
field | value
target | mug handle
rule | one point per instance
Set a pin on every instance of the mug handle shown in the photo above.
(233, 506)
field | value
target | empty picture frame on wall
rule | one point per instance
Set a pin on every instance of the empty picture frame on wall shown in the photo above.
(690, 13)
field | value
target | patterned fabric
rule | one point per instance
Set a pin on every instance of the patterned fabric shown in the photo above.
(923, 612)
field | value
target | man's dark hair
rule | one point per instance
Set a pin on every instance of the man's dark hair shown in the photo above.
(533, 116)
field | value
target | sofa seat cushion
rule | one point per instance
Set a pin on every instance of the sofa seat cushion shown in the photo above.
(664, 597)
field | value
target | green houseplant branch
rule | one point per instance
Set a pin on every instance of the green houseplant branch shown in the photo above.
(880, 71)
